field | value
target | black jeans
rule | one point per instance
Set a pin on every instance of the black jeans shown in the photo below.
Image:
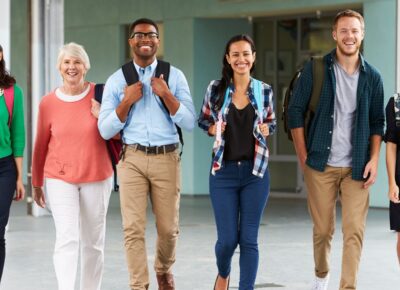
(8, 177)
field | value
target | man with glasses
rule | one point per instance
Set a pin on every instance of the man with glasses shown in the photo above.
(340, 155)
(150, 163)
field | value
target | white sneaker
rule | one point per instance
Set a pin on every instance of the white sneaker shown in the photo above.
(320, 283)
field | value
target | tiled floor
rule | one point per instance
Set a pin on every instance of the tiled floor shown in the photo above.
(284, 243)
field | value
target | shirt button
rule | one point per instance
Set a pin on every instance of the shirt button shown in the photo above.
(331, 116)
(328, 148)
(330, 132)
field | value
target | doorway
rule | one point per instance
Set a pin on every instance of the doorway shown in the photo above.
(283, 45)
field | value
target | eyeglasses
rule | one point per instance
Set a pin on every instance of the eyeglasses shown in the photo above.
(142, 35)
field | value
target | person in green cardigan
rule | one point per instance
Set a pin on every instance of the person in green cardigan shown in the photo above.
(12, 144)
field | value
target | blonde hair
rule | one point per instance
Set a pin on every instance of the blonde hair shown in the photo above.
(348, 13)
(75, 50)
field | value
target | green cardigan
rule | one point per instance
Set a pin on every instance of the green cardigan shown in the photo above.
(12, 140)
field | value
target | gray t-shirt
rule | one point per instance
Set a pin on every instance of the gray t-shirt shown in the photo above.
(343, 117)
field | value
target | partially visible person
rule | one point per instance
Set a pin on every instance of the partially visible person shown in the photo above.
(340, 154)
(238, 111)
(71, 159)
(392, 139)
(12, 145)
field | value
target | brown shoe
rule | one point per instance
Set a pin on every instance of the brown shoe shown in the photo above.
(165, 281)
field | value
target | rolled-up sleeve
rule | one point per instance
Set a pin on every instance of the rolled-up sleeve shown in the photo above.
(206, 119)
(301, 95)
(185, 116)
(109, 124)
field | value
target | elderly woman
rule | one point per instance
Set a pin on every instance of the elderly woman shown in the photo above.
(12, 143)
(71, 159)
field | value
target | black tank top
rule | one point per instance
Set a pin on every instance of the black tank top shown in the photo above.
(239, 138)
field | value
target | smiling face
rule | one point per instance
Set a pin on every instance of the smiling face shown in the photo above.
(240, 57)
(143, 42)
(348, 35)
(72, 69)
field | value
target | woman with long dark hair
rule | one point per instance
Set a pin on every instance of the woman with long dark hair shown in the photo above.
(238, 111)
(12, 144)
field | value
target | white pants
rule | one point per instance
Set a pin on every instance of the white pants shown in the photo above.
(79, 213)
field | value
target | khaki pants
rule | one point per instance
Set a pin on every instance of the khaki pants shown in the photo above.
(158, 177)
(323, 190)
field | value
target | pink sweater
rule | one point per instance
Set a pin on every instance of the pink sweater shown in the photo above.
(68, 145)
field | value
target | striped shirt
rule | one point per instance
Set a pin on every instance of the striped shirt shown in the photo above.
(209, 116)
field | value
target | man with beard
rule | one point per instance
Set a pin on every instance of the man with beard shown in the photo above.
(339, 155)
(147, 112)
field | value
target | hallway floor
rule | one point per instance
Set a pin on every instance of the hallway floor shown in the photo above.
(284, 243)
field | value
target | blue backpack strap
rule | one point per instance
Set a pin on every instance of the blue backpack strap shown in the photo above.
(259, 97)
(227, 100)
(396, 103)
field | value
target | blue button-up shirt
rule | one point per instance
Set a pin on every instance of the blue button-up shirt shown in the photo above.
(148, 122)
(369, 119)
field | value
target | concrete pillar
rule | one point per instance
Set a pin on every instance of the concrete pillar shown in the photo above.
(47, 22)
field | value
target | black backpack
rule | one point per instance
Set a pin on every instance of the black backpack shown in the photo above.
(114, 146)
(318, 80)
(163, 68)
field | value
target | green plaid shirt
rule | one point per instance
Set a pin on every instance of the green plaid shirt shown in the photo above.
(369, 118)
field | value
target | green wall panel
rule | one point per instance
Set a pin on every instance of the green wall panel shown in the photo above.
(380, 51)
(195, 34)
(103, 44)
(178, 50)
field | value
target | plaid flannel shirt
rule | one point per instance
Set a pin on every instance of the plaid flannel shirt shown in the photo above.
(209, 116)
(369, 119)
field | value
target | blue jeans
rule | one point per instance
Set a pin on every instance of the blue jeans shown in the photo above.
(238, 198)
(8, 178)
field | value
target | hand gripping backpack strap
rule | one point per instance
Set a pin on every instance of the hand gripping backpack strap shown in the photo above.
(9, 99)
(396, 108)
(259, 97)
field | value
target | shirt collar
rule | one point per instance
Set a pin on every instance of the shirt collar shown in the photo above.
(150, 67)
(332, 57)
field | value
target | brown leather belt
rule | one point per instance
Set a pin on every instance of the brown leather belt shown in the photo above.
(155, 149)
